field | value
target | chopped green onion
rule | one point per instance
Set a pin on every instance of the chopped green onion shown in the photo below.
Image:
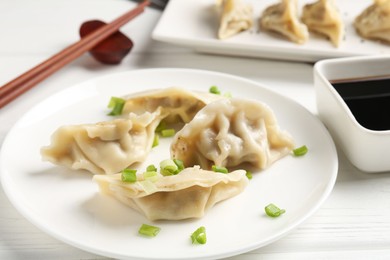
(199, 236)
(273, 211)
(179, 164)
(161, 126)
(168, 167)
(300, 151)
(117, 105)
(151, 176)
(228, 95)
(148, 186)
(168, 132)
(129, 175)
(249, 175)
(148, 230)
(151, 168)
(219, 169)
(214, 90)
(156, 140)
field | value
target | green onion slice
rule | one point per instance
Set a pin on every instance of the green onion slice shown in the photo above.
(179, 164)
(249, 175)
(168, 167)
(148, 230)
(129, 175)
(156, 140)
(151, 168)
(273, 211)
(214, 90)
(168, 132)
(300, 151)
(219, 169)
(161, 126)
(199, 236)
(117, 105)
(228, 95)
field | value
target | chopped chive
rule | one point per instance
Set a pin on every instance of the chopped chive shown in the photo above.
(117, 105)
(156, 140)
(151, 168)
(300, 151)
(179, 164)
(150, 176)
(214, 90)
(228, 95)
(129, 175)
(273, 211)
(249, 175)
(168, 167)
(219, 169)
(199, 236)
(168, 132)
(148, 230)
(161, 126)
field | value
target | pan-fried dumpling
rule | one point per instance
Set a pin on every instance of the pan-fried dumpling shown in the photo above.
(188, 194)
(105, 147)
(283, 19)
(374, 21)
(231, 133)
(176, 104)
(236, 17)
(324, 18)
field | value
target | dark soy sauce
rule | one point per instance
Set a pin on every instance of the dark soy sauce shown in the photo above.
(368, 99)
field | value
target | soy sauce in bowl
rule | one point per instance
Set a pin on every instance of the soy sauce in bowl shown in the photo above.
(368, 99)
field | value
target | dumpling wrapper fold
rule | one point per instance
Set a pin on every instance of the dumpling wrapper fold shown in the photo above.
(189, 194)
(324, 18)
(374, 21)
(236, 17)
(283, 19)
(231, 133)
(106, 147)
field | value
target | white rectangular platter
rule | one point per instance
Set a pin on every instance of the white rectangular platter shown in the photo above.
(195, 23)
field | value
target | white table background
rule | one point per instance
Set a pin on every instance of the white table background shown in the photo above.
(354, 222)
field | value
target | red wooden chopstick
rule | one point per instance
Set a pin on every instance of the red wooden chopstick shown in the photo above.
(29, 79)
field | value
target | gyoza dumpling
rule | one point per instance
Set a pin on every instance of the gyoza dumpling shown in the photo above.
(106, 147)
(323, 17)
(230, 133)
(374, 21)
(176, 104)
(283, 18)
(236, 16)
(188, 194)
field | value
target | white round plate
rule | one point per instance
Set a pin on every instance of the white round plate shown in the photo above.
(67, 204)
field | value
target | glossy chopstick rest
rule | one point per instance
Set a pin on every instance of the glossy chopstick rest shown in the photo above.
(111, 50)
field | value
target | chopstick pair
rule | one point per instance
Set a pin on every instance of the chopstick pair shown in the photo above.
(29, 79)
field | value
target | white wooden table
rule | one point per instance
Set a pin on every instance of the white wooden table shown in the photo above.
(354, 222)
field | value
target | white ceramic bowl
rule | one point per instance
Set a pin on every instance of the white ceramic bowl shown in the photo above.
(367, 149)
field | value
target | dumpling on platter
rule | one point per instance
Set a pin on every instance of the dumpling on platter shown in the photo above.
(235, 17)
(188, 194)
(324, 18)
(374, 21)
(231, 133)
(176, 104)
(105, 147)
(283, 18)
